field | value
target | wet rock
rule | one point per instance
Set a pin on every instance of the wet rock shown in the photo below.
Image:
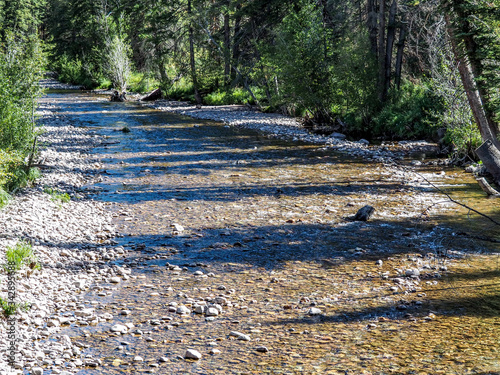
(364, 213)
(262, 349)
(192, 354)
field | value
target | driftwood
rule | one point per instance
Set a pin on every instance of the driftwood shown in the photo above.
(153, 95)
(489, 153)
(487, 188)
(118, 97)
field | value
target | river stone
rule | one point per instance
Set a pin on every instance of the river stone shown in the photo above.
(138, 359)
(240, 336)
(183, 310)
(192, 354)
(177, 227)
(413, 272)
(115, 279)
(212, 311)
(364, 213)
(200, 309)
(314, 311)
(125, 312)
(37, 371)
(262, 349)
(119, 328)
(84, 312)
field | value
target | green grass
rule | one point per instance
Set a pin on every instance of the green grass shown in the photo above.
(20, 255)
(56, 195)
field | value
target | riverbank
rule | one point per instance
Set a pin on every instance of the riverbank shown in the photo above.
(70, 240)
(284, 127)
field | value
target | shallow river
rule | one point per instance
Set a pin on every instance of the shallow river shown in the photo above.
(416, 290)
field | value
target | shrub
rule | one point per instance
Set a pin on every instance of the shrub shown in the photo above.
(410, 113)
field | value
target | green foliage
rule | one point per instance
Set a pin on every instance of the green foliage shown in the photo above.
(4, 198)
(10, 309)
(237, 95)
(14, 173)
(57, 196)
(21, 64)
(19, 255)
(300, 59)
(141, 83)
(409, 113)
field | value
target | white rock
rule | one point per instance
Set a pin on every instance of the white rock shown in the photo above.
(212, 311)
(314, 311)
(192, 354)
(240, 336)
(115, 279)
(183, 310)
(37, 371)
(177, 227)
(119, 328)
(138, 359)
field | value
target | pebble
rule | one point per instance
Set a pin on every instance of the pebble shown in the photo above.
(240, 336)
(138, 358)
(115, 279)
(192, 354)
(262, 349)
(37, 371)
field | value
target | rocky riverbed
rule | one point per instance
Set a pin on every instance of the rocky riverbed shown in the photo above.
(191, 247)
(71, 240)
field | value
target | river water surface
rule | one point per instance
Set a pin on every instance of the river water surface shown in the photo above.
(265, 230)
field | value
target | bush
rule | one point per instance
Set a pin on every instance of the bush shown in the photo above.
(410, 113)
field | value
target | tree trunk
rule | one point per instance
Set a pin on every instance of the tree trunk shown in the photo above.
(236, 42)
(191, 57)
(471, 91)
(381, 49)
(490, 155)
(372, 25)
(489, 151)
(227, 49)
(399, 54)
(391, 31)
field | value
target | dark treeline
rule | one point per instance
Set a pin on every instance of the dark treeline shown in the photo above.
(383, 69)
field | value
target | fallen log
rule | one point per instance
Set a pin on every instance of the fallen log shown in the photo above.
(487, 187)
(489, 153)
(153, 95)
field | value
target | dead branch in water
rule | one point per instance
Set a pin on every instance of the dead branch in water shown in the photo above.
(449, 197)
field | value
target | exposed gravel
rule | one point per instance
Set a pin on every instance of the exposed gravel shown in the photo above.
(284, 127)
(70, 240)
